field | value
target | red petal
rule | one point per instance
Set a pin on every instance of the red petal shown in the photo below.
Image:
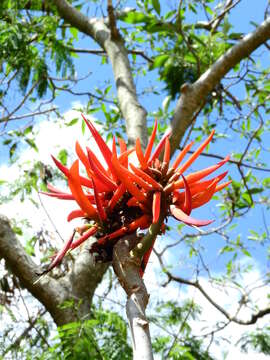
(101, 212)
(140, 155)
(106, 152)
(150, 142)
(95, 160)
(181, 216)
(156, 206)
(125, 176)
(167, 152)
(222, 186)
(83, 180)
(76, 214)
(77, 192)
(146, 177)
(205, 196)
(99, 175)
(60, 166)
(84, 237)
(59, 256)
(194, 156)
(159, 148)
(182, 154)
(123, 149)
(187, 203)
(116, 196)
(54, 189)
(196, 176)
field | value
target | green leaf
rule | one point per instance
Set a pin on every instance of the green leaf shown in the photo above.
(32, 143)
(135, 17)
(74, 32)
(72, 122)
(12, 150)
(17, 230)
(62, 156)
(246, 252)
(160, 61)
(7, 141)
(156, 6)
(28, 130)
(83, 127)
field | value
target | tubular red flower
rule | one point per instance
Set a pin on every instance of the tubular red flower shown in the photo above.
(159, 148)
(182, 154)
(106, 152)
(123, 149)
(125, 176)
(101, 212)
(76, 214)
(140, 155)
(146, 177)
(77, 192)
(116, 197)
(150, 143)
(198, 175)
(105, 180)
(187, 206)
(156, 206)
(180, 215)
(167, 152)
(59, 256)
(194, 156)
(84, 237)
(123, 198)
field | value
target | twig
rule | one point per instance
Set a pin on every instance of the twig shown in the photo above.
(236, 162)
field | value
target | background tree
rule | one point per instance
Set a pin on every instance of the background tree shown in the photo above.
(191, 58)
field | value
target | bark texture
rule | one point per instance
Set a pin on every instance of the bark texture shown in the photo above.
(194, 95)
(127, 271)
(78, 285)
(132, 111)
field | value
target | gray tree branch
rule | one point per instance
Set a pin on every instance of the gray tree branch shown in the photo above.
(194, 95)
(127, 271)
(78, 285)
(132, 111)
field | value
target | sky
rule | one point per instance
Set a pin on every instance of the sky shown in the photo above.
(51, 139)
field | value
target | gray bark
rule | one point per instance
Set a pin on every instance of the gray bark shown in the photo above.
(194, 95)
(133, 112)
(127, 271)
(78, 285)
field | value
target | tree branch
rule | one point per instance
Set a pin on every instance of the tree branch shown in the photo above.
(132, 111)
(78, 285)
(127, 271)
(196, 284)
(193, 95)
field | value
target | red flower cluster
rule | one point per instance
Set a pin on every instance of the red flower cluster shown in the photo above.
(122, 197)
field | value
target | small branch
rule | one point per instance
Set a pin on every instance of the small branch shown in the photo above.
(112, 21)
(102, 52)
(236, 162)
(196, 284)
(194, 95)
(19, 117)
(132, 111)
(127, 271)
(6, 118)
